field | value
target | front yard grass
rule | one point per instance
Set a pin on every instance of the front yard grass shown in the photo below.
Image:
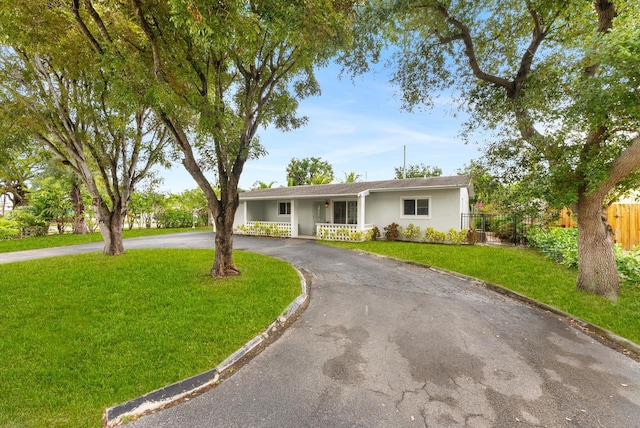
(81, 333)
(525, 271)
(57, 240)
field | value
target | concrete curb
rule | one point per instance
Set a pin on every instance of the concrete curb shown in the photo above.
(155, 400)
(625, 346)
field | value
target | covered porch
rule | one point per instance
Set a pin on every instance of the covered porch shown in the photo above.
(332, 218)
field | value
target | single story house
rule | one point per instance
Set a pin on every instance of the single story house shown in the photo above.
(337, 210)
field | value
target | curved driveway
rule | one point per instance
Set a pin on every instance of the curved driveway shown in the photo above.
(387, 344)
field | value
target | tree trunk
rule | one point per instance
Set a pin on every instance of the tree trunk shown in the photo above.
(110, 224)
(79, 222)
(223, 260)
(597, 269)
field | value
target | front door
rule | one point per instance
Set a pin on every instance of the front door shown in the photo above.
(319, 214)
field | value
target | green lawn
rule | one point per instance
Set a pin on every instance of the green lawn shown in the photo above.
(57, 240)
(82, 333)
(525, 271)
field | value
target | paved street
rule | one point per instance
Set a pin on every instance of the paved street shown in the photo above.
(387, 344)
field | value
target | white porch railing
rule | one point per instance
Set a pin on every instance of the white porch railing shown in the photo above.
(265, 228)
(342, 232)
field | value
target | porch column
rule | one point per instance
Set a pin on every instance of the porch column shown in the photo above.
(294, 218)
(361, 209)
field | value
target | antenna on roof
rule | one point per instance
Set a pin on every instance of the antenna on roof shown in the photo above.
(404, 168)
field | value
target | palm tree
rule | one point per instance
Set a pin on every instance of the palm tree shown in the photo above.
(262, 185)
(351, 177)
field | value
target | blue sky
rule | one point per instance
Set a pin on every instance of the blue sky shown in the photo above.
(355, 126)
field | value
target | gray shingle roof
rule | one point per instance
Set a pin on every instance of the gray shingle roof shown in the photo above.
(353, 189)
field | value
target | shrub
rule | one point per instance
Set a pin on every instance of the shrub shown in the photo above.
(392, 232)
(561, 245)
(8, 229)
(557, 243)
(432, 235)
(28, 223)
(374, 234)
(412, 232)
(457, 237)
(172, 218)
(357, 236)
(628, 264)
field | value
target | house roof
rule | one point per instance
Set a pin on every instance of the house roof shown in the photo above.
(353, 189)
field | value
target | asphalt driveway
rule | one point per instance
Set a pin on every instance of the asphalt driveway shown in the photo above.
(387, 344)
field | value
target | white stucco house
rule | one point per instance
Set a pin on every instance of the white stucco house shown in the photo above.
(320, 210)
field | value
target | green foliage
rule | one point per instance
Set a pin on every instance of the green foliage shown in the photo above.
(173, 218)
(258, 185)
(554, 82)
(146, 205)
(557, 243)
(561, 245)
(392, 232)
(212, 73)
(433, 235)
(628, 263)
(21, 159)
(351, 177)
(309, 171)
(412, 232)
(28, 223)
(9, 228)
(417, 171)
(456, 237)
(52, 203)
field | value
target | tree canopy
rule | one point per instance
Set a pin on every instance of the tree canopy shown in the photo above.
(417, 171)
(556, 83)
(54, 91)
(307, 171)
(215, 72)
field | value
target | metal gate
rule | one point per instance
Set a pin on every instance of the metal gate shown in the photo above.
(496, 228)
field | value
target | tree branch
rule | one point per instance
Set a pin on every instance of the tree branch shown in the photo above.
(146, 28)
(465, 36)
(75, 8)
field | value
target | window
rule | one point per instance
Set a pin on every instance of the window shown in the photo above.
(284, 208)
(414, 207)
(345, 212)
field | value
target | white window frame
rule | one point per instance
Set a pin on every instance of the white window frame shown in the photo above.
(415, 198)
(287, 208)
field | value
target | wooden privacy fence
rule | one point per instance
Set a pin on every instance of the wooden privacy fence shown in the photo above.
(623, 218)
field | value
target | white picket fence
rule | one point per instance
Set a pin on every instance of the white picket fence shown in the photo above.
(342, 232)
(265, 228)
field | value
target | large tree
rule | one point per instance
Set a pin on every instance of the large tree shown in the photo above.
(301, 172)
(555, 81)
(215, 71)
(21, 159)
(67, 102)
